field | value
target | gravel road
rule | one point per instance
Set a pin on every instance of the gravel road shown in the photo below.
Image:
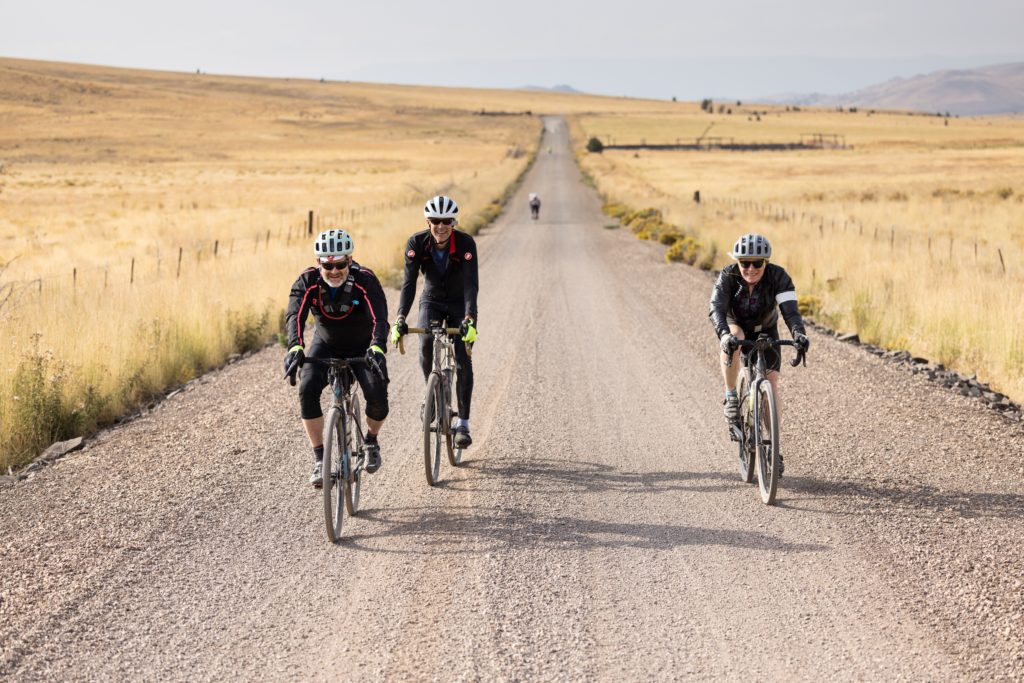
(598, 530)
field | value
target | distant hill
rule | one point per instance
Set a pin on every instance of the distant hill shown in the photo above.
(995, 89)
(556, 88)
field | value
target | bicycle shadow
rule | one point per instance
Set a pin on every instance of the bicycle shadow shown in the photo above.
(480, 530)
(855, 496)
(551, 475)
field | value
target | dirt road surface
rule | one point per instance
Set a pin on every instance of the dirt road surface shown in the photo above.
(598, 530)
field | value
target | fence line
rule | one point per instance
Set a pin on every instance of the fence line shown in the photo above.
(825, 224)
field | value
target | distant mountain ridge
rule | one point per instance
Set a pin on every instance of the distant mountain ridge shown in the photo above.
(997, 89)
(555, 88)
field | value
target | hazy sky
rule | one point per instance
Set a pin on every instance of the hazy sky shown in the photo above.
(651, 48)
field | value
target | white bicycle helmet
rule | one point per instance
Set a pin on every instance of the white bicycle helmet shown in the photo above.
(441, 207)
(751, 246)
(333, 244)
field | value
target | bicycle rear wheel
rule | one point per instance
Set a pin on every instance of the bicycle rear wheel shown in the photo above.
(334, 483)
(433, 429)
(354, 447)
(746, 442)
(454, 454)
(767, 443)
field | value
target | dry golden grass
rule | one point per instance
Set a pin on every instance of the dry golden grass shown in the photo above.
(100, 167)
(899, 236)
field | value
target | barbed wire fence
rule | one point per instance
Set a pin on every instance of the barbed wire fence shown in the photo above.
(968, 250)
(179, 261)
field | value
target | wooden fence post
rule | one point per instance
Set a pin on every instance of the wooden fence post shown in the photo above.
(131, 277)
(309, 230)
(180, 251)
(1001, 261)
(216, 245)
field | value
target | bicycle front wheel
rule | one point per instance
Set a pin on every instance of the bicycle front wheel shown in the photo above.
(767, 443)
(354, 447)
(433, 429)
(334, 483)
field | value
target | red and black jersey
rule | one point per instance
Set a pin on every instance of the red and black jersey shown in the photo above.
(349, 319)
(455, 282)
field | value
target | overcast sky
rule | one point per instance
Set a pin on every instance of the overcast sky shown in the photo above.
(644, 48)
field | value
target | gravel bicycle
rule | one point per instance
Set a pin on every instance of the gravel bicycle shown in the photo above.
(344, 455)
(437, 404)
(758, 429)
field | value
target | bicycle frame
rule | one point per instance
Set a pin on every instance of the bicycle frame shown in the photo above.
(437, 415)
(342, 470)
(759, 437)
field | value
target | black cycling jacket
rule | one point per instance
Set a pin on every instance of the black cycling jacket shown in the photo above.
(458, 284)
(754, 311)
(350, 322)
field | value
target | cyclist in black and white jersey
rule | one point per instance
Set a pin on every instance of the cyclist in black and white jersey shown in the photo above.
(447, 259)
(351, 314)
(745, 302)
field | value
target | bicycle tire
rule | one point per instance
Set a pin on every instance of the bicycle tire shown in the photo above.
(747, 455)
(334, 484)
(454, 454)
(354, 469)
(433, 431)
(767, 443)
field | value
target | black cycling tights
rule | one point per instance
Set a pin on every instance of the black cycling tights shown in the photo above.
(463, 364)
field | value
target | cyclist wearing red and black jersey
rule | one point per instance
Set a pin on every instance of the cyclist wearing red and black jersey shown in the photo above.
(447, 258)
(351, 314)
(745, 302)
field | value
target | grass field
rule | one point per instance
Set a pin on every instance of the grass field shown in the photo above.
(912, 236)
(108, 177)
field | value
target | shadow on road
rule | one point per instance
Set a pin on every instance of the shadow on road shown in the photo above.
(910, 497)
(565, 476)
(477, 530)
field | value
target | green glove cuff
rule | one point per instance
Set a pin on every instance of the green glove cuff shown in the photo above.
(297, 347)
(377, 349)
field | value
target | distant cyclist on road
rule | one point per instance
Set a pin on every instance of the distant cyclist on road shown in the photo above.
(534, 206)
(745, 302)
(351, 314)
(447, 259)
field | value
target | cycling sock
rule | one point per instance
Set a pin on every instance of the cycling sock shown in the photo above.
(459, 422)
(318, 453)
(731, 393)
(371, 438)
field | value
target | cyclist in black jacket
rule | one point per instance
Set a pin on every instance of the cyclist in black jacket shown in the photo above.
(745, 302)
(447, 258)
(351, 314)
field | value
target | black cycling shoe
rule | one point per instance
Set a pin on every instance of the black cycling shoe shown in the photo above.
(462, 437)
(373, 459)
(317, 478)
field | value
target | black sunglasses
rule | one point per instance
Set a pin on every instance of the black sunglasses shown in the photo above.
(759, 263)
(441, 221)
(337, 265)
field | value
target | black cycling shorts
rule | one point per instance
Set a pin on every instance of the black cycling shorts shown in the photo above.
(772, 358)
(313, 380)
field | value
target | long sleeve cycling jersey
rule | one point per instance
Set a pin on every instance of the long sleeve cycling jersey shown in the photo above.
(755, 310)
(349, 318)
(450, 276)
